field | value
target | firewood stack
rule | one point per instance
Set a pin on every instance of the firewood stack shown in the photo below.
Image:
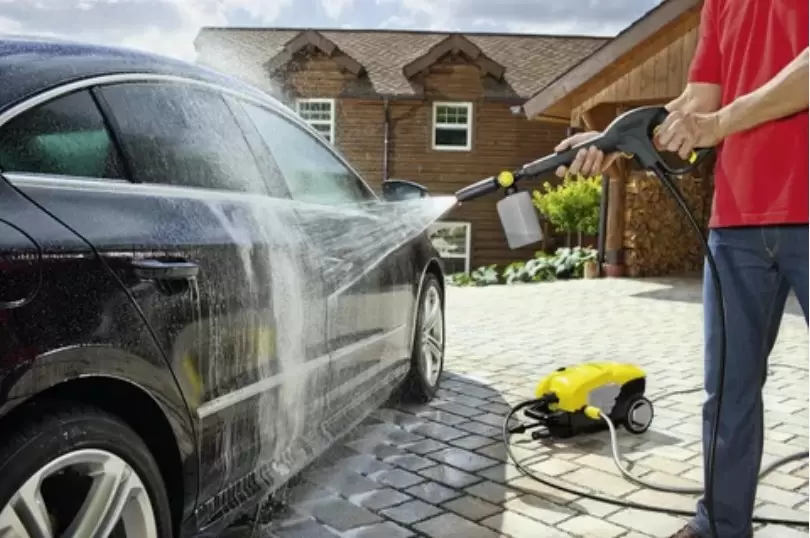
(658, 239)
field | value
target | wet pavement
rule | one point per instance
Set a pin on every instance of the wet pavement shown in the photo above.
(440, 470)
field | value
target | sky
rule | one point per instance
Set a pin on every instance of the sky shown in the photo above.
(169, 26)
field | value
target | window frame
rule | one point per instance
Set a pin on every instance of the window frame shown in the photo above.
(34, 104)
(468, 105)
(450, 224)
(319, 100)
(299, 123)
(227, 91)
(107, 110)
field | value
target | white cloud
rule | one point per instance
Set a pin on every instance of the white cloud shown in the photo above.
(396, 22)
(596, 17)
(594, 28)
(335, 8)
(170, 26)
(163, 26)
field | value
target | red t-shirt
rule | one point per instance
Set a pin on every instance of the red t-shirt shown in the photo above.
(761, 176)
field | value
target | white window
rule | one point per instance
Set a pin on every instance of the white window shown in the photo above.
(452, 240)
(320, 114)
(452, 126)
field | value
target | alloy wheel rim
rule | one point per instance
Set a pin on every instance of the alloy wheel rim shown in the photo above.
(115, 499)
(432, 336)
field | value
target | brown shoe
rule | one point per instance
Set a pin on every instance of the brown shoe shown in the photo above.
(686, 532)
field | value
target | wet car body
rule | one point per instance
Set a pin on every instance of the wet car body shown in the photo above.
(176, 296)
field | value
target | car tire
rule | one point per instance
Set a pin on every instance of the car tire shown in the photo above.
(427, 361)
(64, 450)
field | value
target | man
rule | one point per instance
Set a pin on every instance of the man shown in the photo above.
(747, 93)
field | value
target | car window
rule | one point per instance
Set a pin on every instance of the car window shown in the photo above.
(66, 136)
(312, 172)
(182, 135)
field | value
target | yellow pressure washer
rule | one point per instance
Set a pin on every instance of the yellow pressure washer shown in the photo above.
(594, 396)
(570, 400)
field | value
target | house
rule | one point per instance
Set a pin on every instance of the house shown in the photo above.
(441, 109)
(645, 64)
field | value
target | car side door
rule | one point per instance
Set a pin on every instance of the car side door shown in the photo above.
(190, 241)
(71, 318)
(251, 357)
(368, 284)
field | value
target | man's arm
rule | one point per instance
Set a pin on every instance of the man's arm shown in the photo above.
(697, 98)
(702, 95)
(703, 92)
(783, 95)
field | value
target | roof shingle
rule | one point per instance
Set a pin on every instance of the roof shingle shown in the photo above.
(531, 62)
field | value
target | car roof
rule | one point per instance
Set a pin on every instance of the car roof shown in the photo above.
(31, 65)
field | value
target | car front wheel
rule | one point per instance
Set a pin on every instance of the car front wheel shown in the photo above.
(80, 472)
(427, 361)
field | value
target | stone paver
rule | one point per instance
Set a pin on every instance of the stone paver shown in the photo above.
(439, 470)
(472, 508)
(411, 512)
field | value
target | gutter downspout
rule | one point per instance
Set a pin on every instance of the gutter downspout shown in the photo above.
(386, 137)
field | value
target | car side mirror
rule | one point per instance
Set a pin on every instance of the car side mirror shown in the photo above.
(397, 190)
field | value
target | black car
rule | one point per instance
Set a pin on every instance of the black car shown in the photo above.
(176, 341)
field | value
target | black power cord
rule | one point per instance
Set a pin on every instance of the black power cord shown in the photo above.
(663, 176)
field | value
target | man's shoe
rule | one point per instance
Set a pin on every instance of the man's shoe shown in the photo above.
(686, 532)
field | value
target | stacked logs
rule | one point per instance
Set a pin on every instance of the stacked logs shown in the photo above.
(658, 239)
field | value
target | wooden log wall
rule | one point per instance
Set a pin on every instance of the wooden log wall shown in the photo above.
(658, 239)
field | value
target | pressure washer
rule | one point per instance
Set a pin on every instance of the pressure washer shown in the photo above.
(589, 397)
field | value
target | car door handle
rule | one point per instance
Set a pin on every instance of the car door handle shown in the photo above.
(163, 270)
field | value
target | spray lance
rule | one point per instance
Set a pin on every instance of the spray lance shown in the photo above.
(632, 134)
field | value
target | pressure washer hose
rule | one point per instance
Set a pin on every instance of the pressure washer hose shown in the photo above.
(616, 453)
(709, 493)
(614, 448)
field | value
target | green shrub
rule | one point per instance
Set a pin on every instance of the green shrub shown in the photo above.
(565, 263)
(572, 206)
(486, 275)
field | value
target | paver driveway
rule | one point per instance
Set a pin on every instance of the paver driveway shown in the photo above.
(440, 471)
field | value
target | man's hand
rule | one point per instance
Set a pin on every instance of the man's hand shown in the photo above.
(588, 162)
(684, 131)
(697, 102)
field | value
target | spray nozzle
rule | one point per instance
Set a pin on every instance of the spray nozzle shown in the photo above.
(631, 133)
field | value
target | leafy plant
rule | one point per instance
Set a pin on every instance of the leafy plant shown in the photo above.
(564, 263)
(570, 262)
(459, 279)
(515, 272)
(482, 276)
(540, 269)
(486, 275)
(572, 206)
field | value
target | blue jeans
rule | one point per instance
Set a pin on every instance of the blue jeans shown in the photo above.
(758, 267)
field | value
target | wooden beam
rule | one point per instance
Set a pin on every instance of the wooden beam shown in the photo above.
(597, 119)
(551, 119)
(587, 119)
(617, 202)
(656, 20)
